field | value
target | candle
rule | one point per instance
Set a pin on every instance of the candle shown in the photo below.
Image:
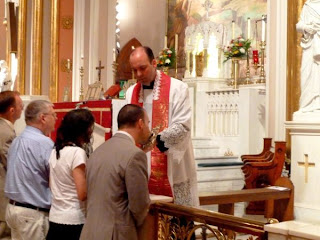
(114, 54)
(233, 25)
(255, 56)
(263, 29)
(5, 9)
(68, 64)
(165, 41)
(176, 43)
(249, 28)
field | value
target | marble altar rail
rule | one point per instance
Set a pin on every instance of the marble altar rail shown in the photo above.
(223, 112)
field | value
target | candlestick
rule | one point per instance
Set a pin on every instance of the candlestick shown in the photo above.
(81, 97)
(68, 64)
(115, 70)
(263, 29)
(165, 42)
(5, 9)
(248, 79)
(236, 72)
(114, 55)
(249, 28)
(233, 25)
(262, 72)
(176, 43)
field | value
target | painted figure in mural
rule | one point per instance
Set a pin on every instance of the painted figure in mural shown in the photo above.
(309, 26)
(5, 79)
(182, 19)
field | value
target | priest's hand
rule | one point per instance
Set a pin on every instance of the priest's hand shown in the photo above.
(160, 144)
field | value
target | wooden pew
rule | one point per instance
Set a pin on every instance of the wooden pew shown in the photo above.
(279, 199)
(265, 152)
(262, 173)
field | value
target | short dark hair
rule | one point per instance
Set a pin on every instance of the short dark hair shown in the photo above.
(148, 51)
(7, 100)
(129, 115)
(74, 127)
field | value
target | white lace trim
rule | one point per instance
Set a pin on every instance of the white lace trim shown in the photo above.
(173, 135)
(182, 193)
(156, 88)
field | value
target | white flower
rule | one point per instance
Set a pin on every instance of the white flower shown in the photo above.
(168, 61)
(231, 45)
(242, 50)
(241, 40)
(160, 56)
(169, 51)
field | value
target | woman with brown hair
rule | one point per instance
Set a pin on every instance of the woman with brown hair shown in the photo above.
(67, 175)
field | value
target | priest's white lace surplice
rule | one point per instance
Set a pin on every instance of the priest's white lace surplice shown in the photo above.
(181, 164)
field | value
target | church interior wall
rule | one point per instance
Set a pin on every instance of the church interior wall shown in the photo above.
(103, 39)
(46, 34)
(3, 34)
(277, 69)
(28, 72)
(111, 28)
(65, 47)
(144, 20)
(86, 42)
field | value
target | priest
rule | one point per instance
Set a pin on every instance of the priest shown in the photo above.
(171, 165)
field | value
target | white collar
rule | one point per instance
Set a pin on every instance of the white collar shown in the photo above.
(156, 88)
(125, 133)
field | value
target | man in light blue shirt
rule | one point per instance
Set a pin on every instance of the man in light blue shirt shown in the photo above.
(27, 181)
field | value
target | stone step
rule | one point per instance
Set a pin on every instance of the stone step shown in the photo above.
(217, 160)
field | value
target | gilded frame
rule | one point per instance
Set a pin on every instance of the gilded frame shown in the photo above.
(54, 53)
(21, 47)
(294, 54)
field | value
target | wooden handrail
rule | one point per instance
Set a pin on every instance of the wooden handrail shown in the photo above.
(279, 199)
(245, 195)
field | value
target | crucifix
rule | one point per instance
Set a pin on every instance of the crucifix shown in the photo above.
(99, 71)
(207, 5)
(306, 164)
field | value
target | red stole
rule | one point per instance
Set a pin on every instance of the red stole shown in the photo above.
(158, 182)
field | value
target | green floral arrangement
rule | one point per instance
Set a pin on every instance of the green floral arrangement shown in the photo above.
(238, 48)
(166, 58)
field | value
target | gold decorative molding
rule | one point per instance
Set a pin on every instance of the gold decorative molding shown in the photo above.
(20, 81)
(54, 54)
(294, 54)
(67, 22)
(64, 65)
(36, 62)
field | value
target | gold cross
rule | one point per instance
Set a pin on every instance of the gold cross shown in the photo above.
(306, 164)
(99, 70)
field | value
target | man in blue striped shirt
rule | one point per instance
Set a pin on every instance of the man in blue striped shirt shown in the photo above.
(27, 181)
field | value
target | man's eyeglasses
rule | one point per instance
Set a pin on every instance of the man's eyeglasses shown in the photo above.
(52, 114)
